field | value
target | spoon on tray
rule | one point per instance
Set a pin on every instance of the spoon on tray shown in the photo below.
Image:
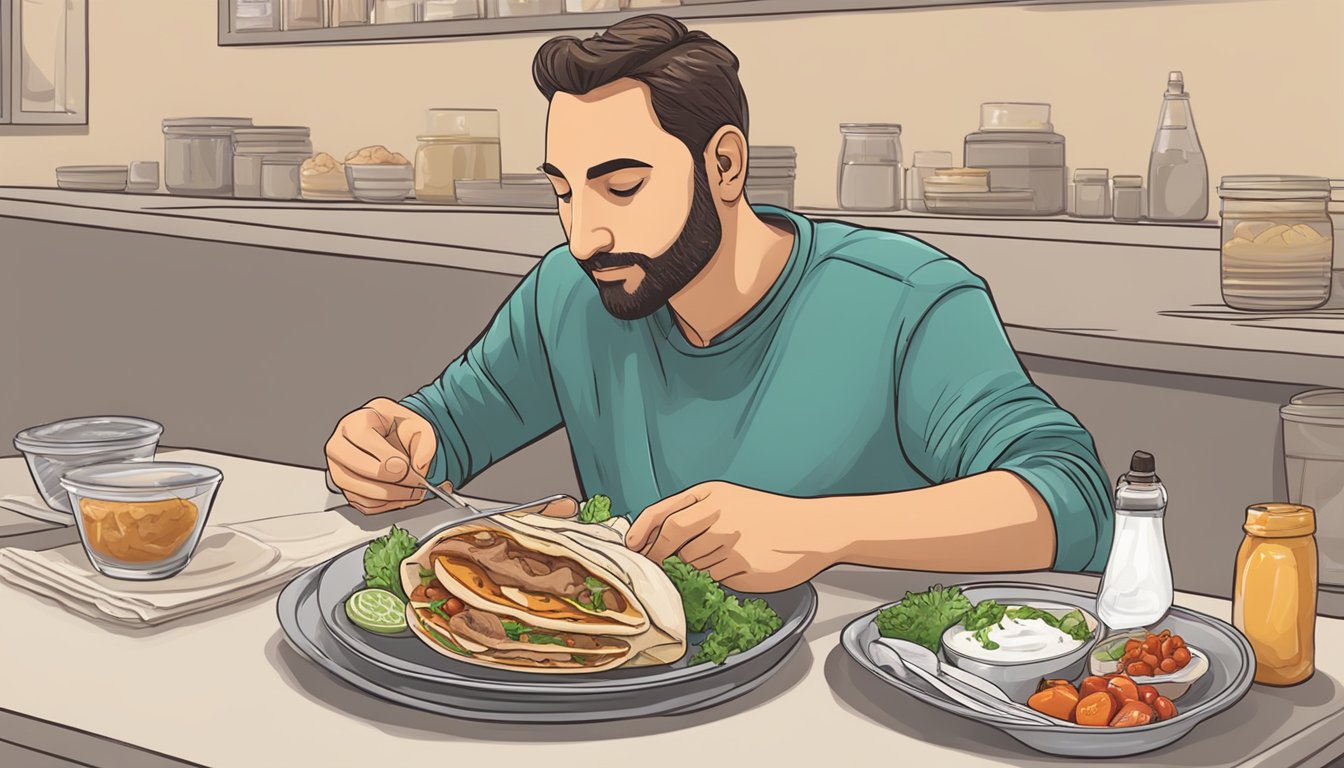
(906, 660)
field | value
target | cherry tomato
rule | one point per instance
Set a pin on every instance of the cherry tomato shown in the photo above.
(1147, 694)
(1164, 708)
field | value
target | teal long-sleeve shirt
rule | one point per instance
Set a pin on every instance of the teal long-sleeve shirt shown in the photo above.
(874, 364)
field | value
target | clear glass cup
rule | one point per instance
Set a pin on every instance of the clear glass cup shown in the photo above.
(141, 520)
(870, 167)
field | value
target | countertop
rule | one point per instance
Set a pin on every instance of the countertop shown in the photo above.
(1140, 296)
(224, 689)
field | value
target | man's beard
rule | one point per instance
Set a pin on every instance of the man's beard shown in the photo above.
(665, 275)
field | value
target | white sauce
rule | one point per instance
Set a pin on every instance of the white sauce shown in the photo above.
(1018, 639)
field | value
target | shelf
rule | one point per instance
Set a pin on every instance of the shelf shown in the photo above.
(474, 28)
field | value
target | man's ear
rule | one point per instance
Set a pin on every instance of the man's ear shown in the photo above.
(726, 160)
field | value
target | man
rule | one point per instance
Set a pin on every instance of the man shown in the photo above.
(766, 396)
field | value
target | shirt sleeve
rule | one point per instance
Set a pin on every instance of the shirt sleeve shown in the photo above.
(495, 398)
(965, 405)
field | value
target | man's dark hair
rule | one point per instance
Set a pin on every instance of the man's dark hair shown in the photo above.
(691, 76)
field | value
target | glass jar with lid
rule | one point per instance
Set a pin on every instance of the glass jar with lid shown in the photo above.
(304, 14)
(461, 145)
(1128, 198)
(198, 154)
(1091, 193)
(1278, 242)
(924, 165)
(871, 167)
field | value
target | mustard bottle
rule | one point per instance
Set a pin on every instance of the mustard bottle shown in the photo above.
(1274, 592)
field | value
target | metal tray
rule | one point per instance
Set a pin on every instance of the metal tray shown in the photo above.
(1231, 672)
(402, 670)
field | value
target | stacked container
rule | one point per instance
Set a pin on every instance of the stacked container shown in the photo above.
(267, 159)
(1017, 144)
(770, 175)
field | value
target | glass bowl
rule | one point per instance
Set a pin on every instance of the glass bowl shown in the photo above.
(53, 449)
(141, 520)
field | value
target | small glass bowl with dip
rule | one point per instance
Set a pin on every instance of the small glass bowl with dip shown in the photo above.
(1029, 649)
(141, 520)
(53, 449)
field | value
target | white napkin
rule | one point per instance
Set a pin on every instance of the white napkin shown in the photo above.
(232, 563)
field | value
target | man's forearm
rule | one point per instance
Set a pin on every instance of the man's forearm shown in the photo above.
(991, 522)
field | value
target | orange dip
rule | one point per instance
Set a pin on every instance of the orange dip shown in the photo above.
(137, 531)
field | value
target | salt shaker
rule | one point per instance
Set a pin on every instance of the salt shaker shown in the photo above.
(1136, 590)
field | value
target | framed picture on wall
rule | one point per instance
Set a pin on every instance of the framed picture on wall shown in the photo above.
(44, 62)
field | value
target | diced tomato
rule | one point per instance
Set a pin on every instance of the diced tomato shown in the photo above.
(1092, 685)
(1097, 709)
(1125, 687)
(1132, 714)
(1057, 701)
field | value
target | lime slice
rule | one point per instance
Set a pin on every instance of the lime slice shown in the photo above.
(377, 610)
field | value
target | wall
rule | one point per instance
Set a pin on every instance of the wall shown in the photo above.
(1267, 88)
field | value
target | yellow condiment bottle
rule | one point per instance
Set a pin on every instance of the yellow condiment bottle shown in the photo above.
(1274, 594)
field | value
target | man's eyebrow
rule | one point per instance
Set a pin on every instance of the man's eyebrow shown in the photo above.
(551, 170)
(611, 166)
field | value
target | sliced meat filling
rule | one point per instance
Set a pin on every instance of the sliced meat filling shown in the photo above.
(532, 656)
(510, 565)
(488, 630)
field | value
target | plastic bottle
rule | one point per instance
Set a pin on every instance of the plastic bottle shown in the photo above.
(1178, 176)
(1136, 589)
(1274, 591)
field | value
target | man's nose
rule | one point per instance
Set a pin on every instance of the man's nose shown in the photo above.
(588, 236)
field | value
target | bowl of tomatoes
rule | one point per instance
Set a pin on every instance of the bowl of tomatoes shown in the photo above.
(1162, 660)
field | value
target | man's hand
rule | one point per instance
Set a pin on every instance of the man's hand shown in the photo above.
(376, 453)
(746, 539)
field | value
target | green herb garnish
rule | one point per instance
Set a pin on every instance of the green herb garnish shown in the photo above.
(515, 631)
(445, 642)
(382, 561)
(596, 509)
(426, 576)
(735, 626)
(923, 618)
(1073, 623)
(595, 588)
(701, 596)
